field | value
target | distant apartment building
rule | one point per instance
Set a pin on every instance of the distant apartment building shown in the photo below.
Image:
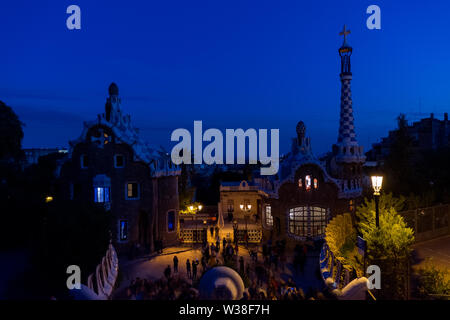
(428, 134)
(32, 155)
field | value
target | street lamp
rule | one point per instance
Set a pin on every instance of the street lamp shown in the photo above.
(246, 208)
(377, 182)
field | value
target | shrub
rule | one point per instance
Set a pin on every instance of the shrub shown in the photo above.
(432, 281)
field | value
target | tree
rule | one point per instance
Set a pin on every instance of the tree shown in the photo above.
(11, 134)
(432, 281)
(388, 246)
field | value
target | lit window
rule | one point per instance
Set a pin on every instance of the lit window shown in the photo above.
(351, 205)
(123, 230)
(269, 217)
(119, 161)
(84, 161)
(300, 183)
(308, 182)
(171, 221)
(316, 183)
(106, 138)
(132, 191)
(298, 221)
(101, 194)
(307, 221)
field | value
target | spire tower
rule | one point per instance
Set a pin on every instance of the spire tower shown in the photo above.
(348, 155)
(347, 146)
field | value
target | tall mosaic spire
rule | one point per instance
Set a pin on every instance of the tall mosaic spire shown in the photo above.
(347, 134)
(347, 145)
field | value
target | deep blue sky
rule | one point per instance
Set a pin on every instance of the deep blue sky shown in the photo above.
(234, 63)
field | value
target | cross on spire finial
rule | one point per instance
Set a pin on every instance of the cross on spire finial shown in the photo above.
(344, 33)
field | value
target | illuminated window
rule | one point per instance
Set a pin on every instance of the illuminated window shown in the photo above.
(171, 221)
(119, 161)
(351, 205)
(307, 221)
(101, 194)
(123, 230)
(132, 191)
(84, 161)
(300, 183)
(106, 138)
(316, 183)
(269, 217)
(308, 182)
(318, 218)
(298, 221)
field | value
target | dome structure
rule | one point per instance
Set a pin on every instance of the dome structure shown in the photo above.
(221, 283)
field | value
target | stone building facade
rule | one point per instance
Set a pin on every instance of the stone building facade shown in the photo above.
(110, 165)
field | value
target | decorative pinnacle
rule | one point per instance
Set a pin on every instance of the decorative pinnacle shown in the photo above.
(344, 33)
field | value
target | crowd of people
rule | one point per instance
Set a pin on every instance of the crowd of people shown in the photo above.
(263, 278)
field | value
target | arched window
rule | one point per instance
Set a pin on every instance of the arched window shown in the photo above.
(308, 182)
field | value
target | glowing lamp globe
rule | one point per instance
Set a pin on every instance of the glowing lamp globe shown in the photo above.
(377, 182)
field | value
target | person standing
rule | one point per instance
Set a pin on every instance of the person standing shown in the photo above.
(188, 269)
(175, 264)
(241, 265)
(167, 272)
(217, 245)
(204, 263)
(194, 270)
(224, 243)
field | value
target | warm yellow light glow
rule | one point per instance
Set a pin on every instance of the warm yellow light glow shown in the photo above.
(200, 207)
(377, 182)
(48, 199)
(241, 206)
(249, 206)
(191, 208)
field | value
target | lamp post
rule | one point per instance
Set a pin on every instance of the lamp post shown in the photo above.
(377, 182)
(246, 208)
(193, 210)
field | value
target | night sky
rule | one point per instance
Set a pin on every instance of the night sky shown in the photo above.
(232, 64)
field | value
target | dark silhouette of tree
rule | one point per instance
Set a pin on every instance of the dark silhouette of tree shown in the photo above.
(420, 175)
(399, 163)
(11, 134)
